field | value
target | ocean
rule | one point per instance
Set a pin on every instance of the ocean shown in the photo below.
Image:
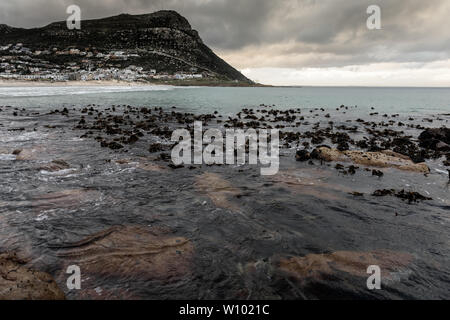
(140, 229)
(204, 99)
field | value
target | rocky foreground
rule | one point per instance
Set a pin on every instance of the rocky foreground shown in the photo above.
(19, 282)
(153, 252)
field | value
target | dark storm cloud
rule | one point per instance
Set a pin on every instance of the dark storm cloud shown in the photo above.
(286, 33)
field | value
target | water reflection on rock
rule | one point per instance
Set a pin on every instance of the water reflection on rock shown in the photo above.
(220, 191)
(65, 199)
(311, 183)
(19, 282)
(130, 252)
(383, 159)
(319, 266)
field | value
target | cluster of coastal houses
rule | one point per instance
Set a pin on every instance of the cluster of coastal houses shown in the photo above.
(18, 62)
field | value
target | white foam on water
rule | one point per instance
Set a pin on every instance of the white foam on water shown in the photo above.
(446, 201)
(7, 157)
(40, 91)
(98, 290)
(27, 136)
(398, 276)
(62, 172)
(72, 175)
(441, 171)
(41, 217)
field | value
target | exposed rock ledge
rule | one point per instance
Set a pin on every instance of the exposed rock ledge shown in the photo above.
(131, 251)
(18, 282)
(383, 159)
(322, 266)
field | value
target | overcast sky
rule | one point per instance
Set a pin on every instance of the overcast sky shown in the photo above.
(295, 42)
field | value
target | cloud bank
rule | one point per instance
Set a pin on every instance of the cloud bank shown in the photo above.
(301, 39)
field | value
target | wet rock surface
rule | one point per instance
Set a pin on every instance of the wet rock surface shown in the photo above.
(64, 199)
(326, 275)
(19, 282)
(303, 155)
(142, 163)
(122, 210)
(135, 252)
(311, 183)
(56, 165)
(437, 139)
(220, 191)
(318, 274)
(409, 196)
(320, 266)
(29, 154)
(383, 159)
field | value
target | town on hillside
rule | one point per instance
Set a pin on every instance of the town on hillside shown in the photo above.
(17, 62)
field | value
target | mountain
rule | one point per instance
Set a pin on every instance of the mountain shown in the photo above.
(4, 29)
(162, 41)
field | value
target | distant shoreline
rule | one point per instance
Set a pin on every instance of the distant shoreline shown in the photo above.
(99, 83)
(176, 83)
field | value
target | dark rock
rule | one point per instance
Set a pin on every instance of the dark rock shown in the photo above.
(302, 155)
(430, 138)
(112, 145)
(317, 140)
(362, 144)
(352, 169)
(441, 146)
(377, 173)
(383, 193)
(164, 157)
(172, 166)
(417, 157)
(18, 282)
(55, 165)
(343, 146)
(133, 139)
(410, 196)
(155, 147)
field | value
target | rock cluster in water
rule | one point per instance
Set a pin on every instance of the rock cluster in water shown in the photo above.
(19, 282)
(120, 130)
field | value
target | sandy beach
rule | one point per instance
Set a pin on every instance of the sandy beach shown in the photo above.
(24, 83)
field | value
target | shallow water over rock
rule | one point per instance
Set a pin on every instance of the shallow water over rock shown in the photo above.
(140, 229)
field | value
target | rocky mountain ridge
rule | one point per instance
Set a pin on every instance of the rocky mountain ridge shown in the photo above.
(163, 41)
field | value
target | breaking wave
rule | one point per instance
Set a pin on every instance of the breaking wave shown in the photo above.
(39, 91)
